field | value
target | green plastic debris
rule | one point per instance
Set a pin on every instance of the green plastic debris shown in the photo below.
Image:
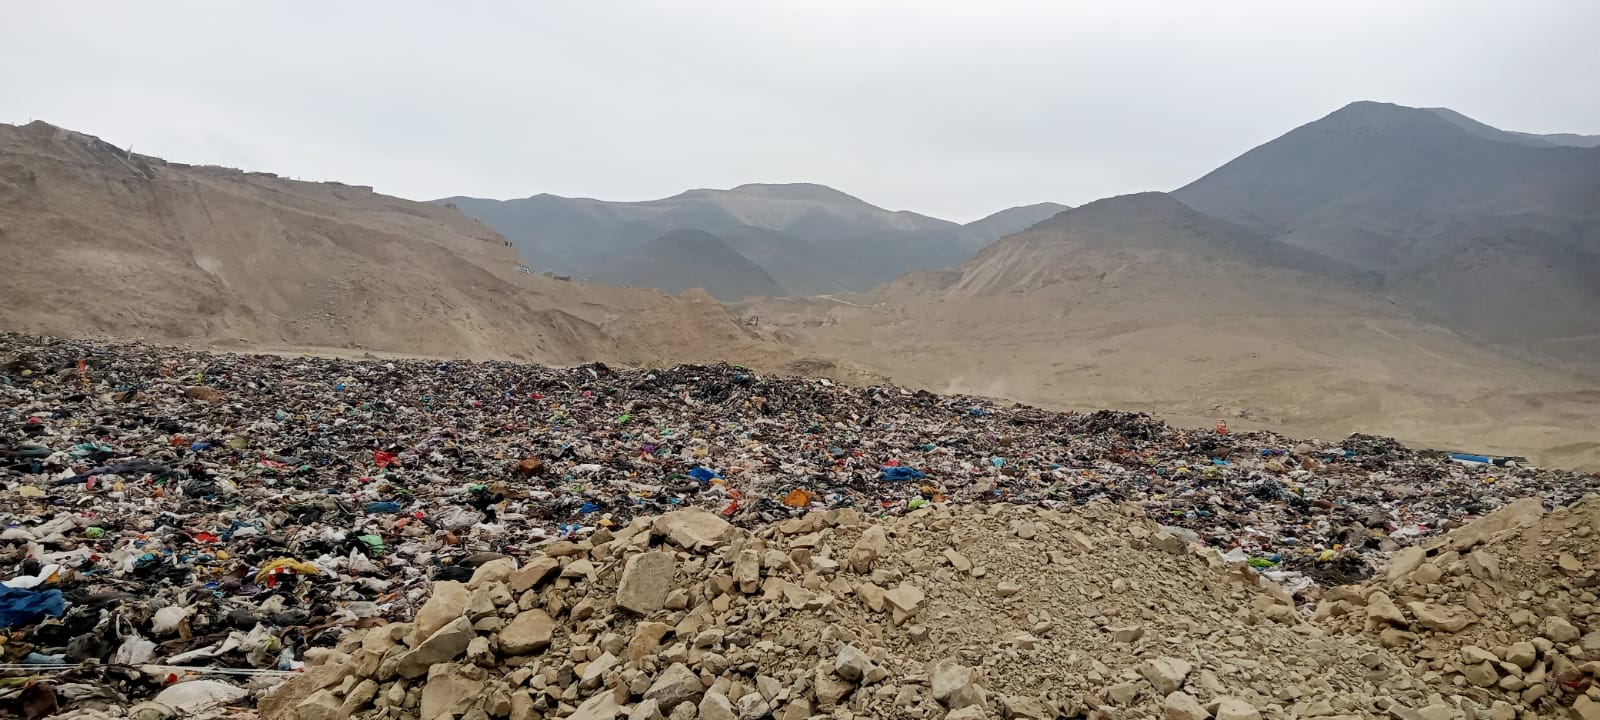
(94, 532)
(374, 543)
(1260, 563)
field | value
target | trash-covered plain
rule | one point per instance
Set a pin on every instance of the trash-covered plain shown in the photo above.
(172, 513)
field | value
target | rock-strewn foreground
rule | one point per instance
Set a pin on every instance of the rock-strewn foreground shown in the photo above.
(963, 612)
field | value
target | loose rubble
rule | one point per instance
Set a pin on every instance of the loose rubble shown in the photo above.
(1504, 610)
(172, 514)
(815, 636)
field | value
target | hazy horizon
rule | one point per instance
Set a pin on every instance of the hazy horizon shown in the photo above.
(953, 110)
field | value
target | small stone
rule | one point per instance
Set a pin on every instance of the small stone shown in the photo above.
(600, 706)
(753, 707)
(829, 688)
(904, 601)
(646, 579)
(1228, 708)
(691, 529)
(646, 710)
(596, 671)
(1483, 565)
(448, 690)
(1183, 706)
(444, 645)
(530, 631)
(1482, 674)
(646, 640)
(1166, 673)
(1502, 710)
(447, 602)
(955, 686)
(1381, 608)
(1522, 654)
(1557, 629)
(1586, 708)
(320, 705)
(747, 571)
(1026, 530)
(1126, 633)
(873, 544)
(1024, 707)
(716, 706)
(852, 664)
(1440, 618)
(1426, 574)
(1007, 589)
(578, 570)
(675, 685)
(1122, 693)
(535, 573)
(497, 570)
(1406, 560)
(957, 561)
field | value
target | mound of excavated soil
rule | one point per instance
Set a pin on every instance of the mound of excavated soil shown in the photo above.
(965, 612)
(1502, 611)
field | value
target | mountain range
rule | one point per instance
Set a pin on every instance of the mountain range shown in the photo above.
(1399, 270)
(1406, 271)
(809, 239)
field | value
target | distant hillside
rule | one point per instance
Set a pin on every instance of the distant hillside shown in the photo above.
(1493, 233)
(1142, 302)
(1013, 220)
(1149, 229)
(811, 238)
(684, 259)
(96, 240)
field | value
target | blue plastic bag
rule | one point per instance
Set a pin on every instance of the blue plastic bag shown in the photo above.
(895, 473)
(23, 607)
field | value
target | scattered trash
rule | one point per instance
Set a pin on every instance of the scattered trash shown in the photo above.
(240, 510)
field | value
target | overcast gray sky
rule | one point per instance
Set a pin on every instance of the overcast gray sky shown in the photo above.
(954, 109)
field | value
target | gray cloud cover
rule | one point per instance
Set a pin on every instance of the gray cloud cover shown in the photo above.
(954, 109)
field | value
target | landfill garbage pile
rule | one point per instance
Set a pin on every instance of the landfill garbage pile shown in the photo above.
(963, 612)
(171, 513)
(1505, 609)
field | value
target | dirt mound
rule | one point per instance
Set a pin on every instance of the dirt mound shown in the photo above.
(95, 240)
(961, 612)
(1501, 611)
